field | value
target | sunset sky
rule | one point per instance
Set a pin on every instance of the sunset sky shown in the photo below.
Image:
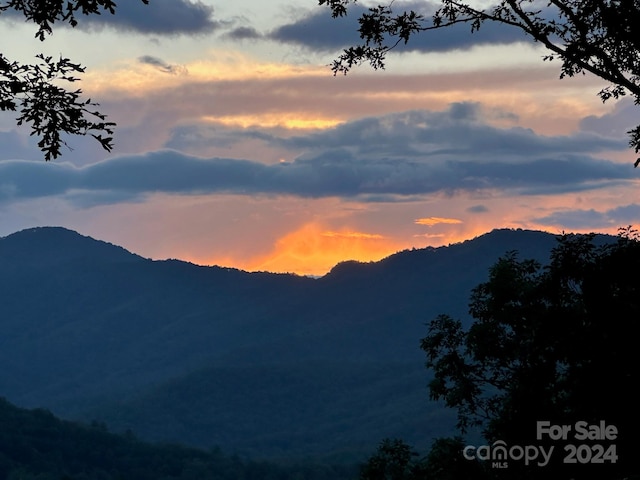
(236, 146)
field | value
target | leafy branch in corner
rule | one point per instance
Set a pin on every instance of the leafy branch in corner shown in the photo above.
(34, 91)
(593, 36)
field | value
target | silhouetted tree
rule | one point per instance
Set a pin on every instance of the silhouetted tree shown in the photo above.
(445, 461)
(393, 460)
(597, 36)
(33, 89)
(396, 460)
(555, 343)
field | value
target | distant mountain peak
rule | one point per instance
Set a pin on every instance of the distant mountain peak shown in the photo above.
(54, 244)
(52, 232)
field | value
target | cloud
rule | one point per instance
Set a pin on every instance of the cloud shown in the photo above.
(477, 209)
(161, 64)
(319, 31)
(415, 153)
(592, 218)
(202, 111)
(243, 33)
(161, 17)
(459, 131)
(431, 221)
(350, 234)
(623, 118)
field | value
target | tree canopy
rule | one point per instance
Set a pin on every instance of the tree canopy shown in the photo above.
(555, 343)
(596, 36)
(396, 460)
(34, 91)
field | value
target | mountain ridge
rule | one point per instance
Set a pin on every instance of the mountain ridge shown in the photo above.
(66, 238)
(93, 332)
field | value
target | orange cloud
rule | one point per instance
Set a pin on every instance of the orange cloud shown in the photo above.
(289, 120)
(431, 221)
(352, 235)
(240, 90)
(139, 78)
(312, 250)
(430, 235)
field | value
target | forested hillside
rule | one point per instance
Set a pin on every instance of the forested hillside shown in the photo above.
(35, 445)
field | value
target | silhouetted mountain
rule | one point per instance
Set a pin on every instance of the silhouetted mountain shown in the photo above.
(265, 364)
(52, 246)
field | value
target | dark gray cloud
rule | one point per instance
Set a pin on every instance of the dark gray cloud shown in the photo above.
(401, 155)
(624, 215)
(243, 33)
(160, 17)
(160, 64)
(335, 173)
(458, 132)
(319, 31)
(623, 118)
(477, 209)
(461, 131)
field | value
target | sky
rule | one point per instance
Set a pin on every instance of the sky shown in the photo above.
(236, 145)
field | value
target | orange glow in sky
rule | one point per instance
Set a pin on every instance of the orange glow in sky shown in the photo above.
(241, 106)
(314, 250)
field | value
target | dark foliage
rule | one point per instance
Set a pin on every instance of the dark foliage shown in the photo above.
(593, 36)
(396, 460)
(555, 343)
(35, 445)
(33, 90)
